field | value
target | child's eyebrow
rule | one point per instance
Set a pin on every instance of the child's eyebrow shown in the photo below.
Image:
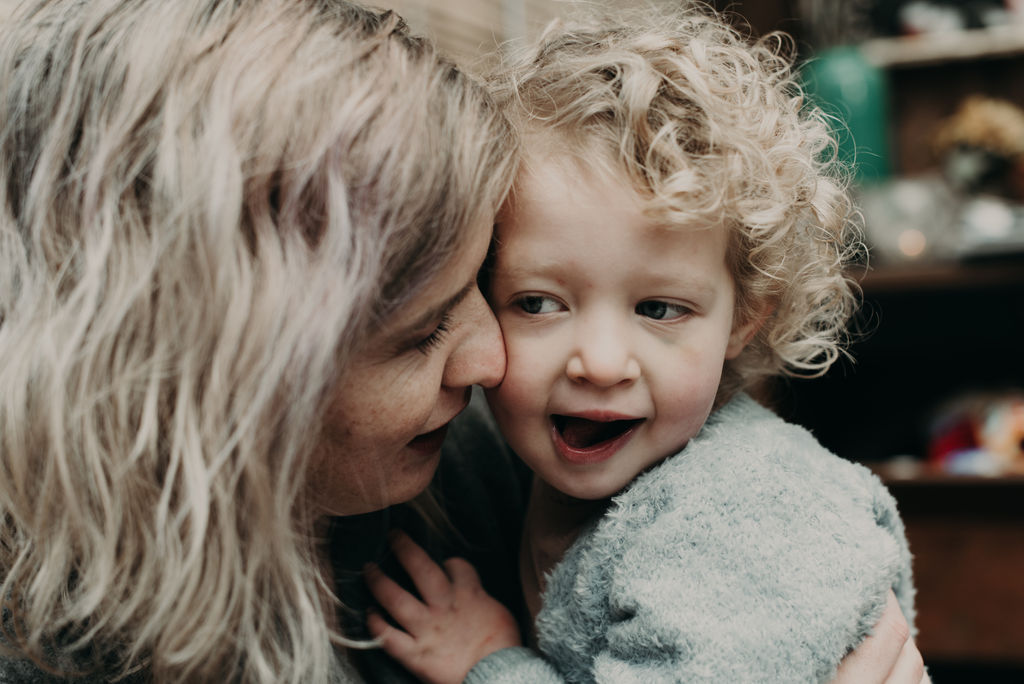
(557, 269)
(697, 285)
(536, 267)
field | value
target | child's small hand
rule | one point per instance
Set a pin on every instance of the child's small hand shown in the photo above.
(455, 625)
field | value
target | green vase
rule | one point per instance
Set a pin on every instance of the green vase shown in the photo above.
(845, 85)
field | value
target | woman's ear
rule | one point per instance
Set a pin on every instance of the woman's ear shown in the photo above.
(743, 330)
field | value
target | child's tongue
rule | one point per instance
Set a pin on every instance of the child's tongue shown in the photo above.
(581, 433)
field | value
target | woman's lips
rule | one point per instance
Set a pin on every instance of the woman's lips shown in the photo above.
(429, 442)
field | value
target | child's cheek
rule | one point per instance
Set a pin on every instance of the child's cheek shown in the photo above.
(522, 375)
(687, 410)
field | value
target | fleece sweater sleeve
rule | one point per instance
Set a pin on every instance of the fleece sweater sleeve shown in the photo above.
(783, 601)
(517, 665)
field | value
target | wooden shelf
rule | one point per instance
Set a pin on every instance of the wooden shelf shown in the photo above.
(943, 275)
(926, 475)
(939, 48)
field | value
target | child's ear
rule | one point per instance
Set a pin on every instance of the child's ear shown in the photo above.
(744, 330)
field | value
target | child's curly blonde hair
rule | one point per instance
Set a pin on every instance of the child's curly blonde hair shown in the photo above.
(713, 130)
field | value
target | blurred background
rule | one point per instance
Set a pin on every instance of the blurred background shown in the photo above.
(929, 103)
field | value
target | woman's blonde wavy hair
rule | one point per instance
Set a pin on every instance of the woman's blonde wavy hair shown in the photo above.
(713, 130)
(205, 207)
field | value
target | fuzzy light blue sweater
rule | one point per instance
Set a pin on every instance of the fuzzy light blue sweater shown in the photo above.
(753, 555)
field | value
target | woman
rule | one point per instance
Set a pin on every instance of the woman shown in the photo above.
(209, 300)
(239, 242)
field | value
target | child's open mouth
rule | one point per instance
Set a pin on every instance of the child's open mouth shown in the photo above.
(581, 440)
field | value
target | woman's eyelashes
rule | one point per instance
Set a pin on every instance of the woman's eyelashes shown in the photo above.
(437, 335)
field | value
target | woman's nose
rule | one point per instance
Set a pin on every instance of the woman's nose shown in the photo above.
(603, 356)
(480, 356)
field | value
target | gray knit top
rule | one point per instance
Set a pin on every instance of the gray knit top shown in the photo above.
(753, 555)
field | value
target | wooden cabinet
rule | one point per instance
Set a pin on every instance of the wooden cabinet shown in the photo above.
(967, 537)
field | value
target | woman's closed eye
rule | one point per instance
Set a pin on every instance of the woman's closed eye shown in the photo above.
(538, 304)
(659, 310)
(436, 336)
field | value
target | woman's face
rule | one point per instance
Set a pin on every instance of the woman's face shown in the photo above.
(390, 412)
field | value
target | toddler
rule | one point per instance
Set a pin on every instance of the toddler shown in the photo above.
(677, 233)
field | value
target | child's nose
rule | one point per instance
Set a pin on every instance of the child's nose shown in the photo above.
(603, 357)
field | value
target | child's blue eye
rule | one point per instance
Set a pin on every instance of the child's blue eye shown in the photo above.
(661, 311)
(538, 304)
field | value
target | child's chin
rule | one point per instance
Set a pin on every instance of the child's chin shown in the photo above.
(588, 491)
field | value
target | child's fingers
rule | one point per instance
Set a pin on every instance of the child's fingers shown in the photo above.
(431, 581)
(408, 610)
(395, 642)
(462, 572)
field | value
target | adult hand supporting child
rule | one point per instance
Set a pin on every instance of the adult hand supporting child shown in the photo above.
(887, 655)
(454, 626)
